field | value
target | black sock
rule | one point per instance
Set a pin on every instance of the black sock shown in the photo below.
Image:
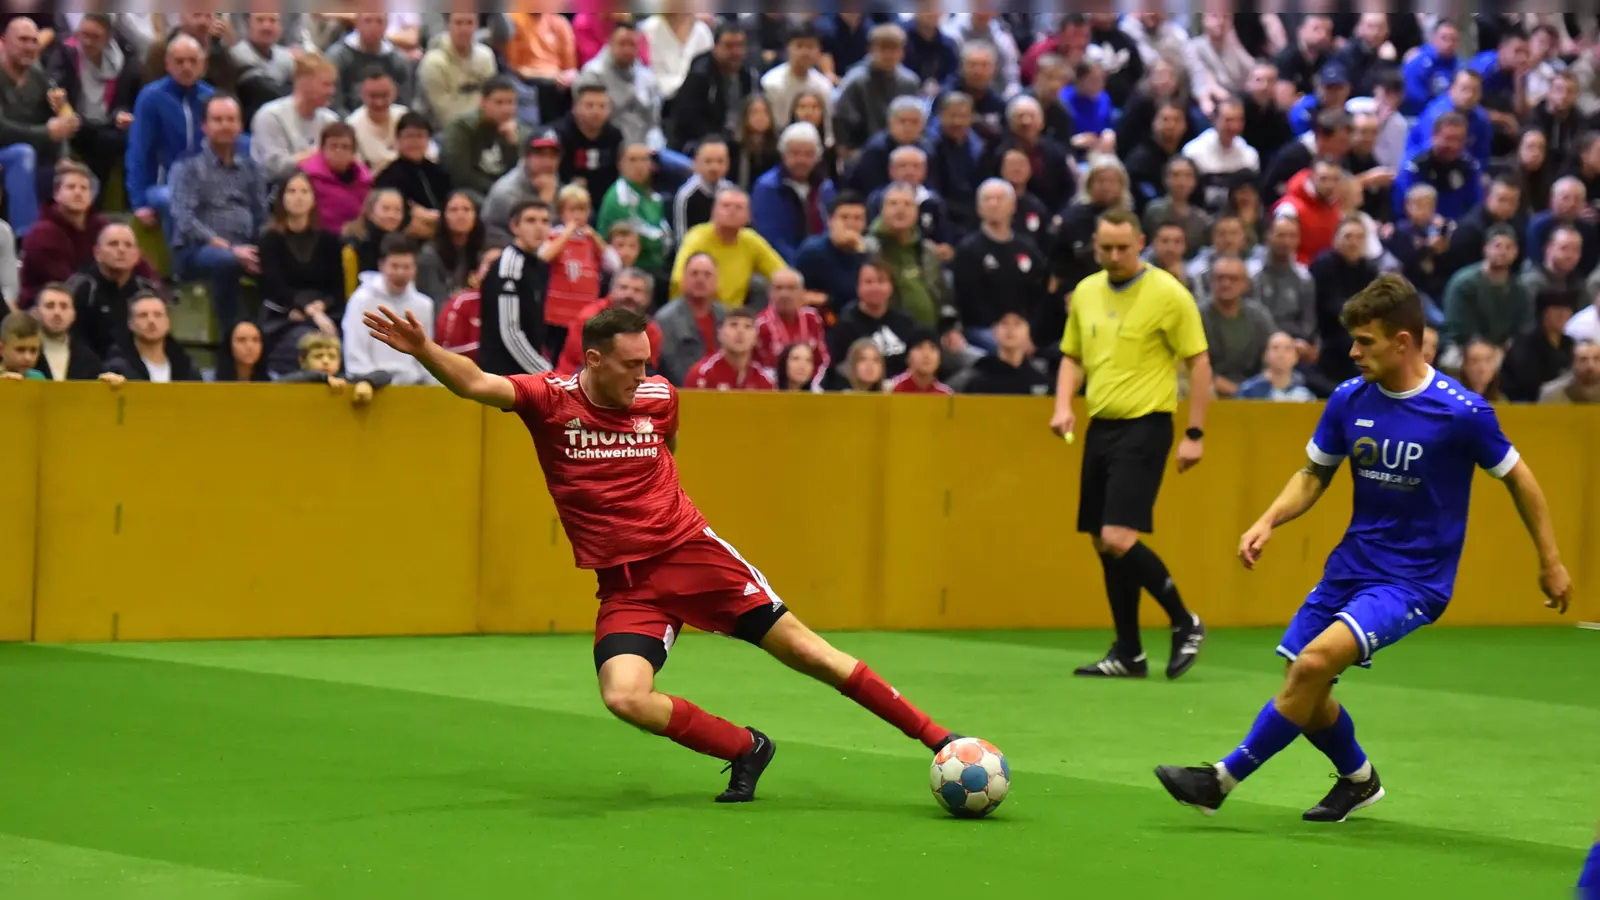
(1122, 591)
(1145, 567)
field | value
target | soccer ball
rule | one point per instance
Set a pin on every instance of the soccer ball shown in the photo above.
(970, 777)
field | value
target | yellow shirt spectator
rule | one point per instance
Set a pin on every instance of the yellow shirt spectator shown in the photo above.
(747, 255)
(1129, 340)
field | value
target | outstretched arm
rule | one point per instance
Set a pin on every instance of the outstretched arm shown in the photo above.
(1535, 513)
(461, 375)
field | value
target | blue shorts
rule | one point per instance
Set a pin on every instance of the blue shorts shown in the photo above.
(1377, 614)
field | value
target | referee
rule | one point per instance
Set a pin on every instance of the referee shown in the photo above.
(1128, 326)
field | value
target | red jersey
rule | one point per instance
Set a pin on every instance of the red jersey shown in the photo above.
(903, 384)
(571, 360)
(773, 333)
(459, 325)
(574, 280)
(715, 373)
(613, 480)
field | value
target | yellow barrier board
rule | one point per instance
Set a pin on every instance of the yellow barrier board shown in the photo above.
(179, 511)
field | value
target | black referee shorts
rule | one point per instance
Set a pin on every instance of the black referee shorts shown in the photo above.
(1123, 461)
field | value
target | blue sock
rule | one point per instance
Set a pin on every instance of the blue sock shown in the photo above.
(1338, 743)
(1589, 881)
(1270, 734)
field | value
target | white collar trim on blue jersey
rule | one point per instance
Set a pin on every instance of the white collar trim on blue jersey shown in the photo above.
(1406, 395)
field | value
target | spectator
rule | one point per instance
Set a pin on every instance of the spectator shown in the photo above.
(361, 50)
(1161, 85)
(1053, 179)
(1011, 368)
(219, 207)
(1313, 199)
(1244, 204)
(861, 108)
(453, 72)
(102, 83)
(1181, 179)
(871, 318)
(393, 287)
(1278, 379)
(1350, 202)
(537, 178)
(828, 263)
(714, 92)
(870, 170)
(909, 165)
(1454, 175)
(286, 131)
(1299, 63)
(1533, 169)
(340, 180)
(1282, 285)
(692, 204)
(420, 181)
(789, 202)
(787, 321)
(675, 39)
(1503, 69)
(797, 368)
(1558, 118)
(922, 369)
(1465, 92)
(733, 365)
(1377, 179)
(1433, 69)
(576, 255)
(1539, 354)
(1582, 384)
(1330, 139)
(631, 289)
(1419, 241)
(460, 318)
(913, 264)
(214, 34)
(31, 128)
(768, 31)
(302, 279)
(1220, 152)
(1266, 125)
(986, 29)
(1054, 76)
(1585, 323)
(1340, 272)
(244, 349)
(755, 145)
(1480, 369)
(863, 368)
(457, 249)
(1559, 270)
(1387, 146)
(261, 50)
(956, 165)
(1228, 238)
(844, 42)
(377, 121)
(514, 336)
(482, 146)
(383, 214)
(1368, 53)
(62, 242)
(1072, 254)
(64, 354)
(736, 250)
(320, 362)
(147, 350)
(592, 29)
(590, 144)
(690, 322)
(20, 345)
(1033, 219)
(1147, 161)
(1500, 206)
(1219, 65)
(1158, 37)
(635, 98)
(1118, 55)
(1168, 245)
(930, 53)
(102, 292)
(783, 83)
(1237, 330)
(631, 199)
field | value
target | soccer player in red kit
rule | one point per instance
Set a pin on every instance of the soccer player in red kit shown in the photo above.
(605, 439)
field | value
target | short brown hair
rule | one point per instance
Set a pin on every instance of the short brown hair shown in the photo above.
(18, 326)
(1391, 300)
(1121, 217)
(315, 340)
(68, 167)
(311, 63)
(336, 130)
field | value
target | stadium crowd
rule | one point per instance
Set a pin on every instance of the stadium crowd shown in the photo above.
(804, 201)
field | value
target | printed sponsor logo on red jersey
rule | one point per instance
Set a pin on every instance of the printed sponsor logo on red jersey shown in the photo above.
(589, 443)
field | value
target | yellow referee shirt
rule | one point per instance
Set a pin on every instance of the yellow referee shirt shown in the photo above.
(1129, 340)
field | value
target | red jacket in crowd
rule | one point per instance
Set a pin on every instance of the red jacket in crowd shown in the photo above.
(905, 384)
(54, 250)
(571, 359)
(773, 333)
(459, 324)
(1319, 218)
(715, 373)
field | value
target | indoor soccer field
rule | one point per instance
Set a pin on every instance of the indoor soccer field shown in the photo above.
(486, 767)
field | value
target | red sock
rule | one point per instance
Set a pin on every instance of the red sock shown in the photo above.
(866, 688)
(700, 731)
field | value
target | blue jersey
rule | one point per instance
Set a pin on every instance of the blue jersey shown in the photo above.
(1412, 458)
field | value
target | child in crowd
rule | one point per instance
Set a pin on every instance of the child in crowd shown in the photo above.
(21, 340)
(322, 361)
(577, 255)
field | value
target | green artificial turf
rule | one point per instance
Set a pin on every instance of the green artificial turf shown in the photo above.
(486, 767)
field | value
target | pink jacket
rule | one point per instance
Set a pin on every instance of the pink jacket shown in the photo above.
(339, 199)
(592, 31)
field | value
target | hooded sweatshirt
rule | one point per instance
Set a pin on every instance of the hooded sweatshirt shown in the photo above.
(352, 63)
(635, 99)
(364, 353)
(339, 195)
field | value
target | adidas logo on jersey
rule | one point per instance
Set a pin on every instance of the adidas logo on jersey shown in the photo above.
(750, 589)
(575, 423)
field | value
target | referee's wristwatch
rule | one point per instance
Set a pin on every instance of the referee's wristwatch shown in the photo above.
(1194, 434)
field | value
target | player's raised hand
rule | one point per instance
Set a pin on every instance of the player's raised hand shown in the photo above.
(1254, 543)
(404, 335)
(1557, 587)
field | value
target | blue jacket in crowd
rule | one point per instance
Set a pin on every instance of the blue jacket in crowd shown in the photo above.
(1459, 183)
(778, 214)
(166, 128)
(1427, 76)
(1480, 132)
(1497, 82)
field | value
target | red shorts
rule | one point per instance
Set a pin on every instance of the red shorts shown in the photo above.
(702, 582)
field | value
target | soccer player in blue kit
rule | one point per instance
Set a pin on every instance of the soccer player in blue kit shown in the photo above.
(1414, 437)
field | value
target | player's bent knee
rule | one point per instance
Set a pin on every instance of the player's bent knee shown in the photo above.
(1314, 666)
(628, 703)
